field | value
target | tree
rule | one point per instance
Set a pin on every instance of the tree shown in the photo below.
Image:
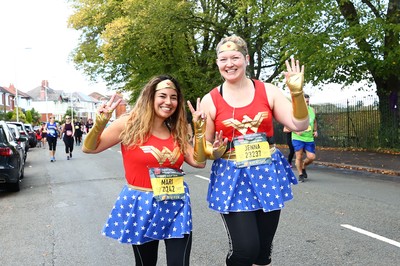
(28, 116)
(21, 115)
(353, 41)
(36, 117)
(126, 42)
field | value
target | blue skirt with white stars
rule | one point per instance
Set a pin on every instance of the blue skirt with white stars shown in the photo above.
(137, 217)
(265, 186)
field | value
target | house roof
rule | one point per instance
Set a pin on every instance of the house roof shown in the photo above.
(11, 90)
(52, 95)
(98, 96)
(3, 90)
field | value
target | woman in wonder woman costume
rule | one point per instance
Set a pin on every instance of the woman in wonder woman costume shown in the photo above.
(250, 179)
(155, 203)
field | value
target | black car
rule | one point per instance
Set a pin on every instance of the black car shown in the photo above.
(32, 135)
(12, 163)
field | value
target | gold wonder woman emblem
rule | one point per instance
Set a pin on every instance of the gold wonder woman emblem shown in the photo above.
(246, 123)
(163, 155)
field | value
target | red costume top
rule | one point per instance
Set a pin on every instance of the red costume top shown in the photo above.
(253, 118)
(155, 152)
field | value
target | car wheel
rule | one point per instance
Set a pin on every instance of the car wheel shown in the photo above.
(13, 187)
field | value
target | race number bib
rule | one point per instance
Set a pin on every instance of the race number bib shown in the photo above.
(252, 149)
(167, 184)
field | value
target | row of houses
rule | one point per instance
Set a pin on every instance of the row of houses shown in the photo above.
(51, 102)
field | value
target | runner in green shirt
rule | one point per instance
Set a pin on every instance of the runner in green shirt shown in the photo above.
(304, 141)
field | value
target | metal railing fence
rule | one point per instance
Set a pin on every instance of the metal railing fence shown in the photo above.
(352, 124)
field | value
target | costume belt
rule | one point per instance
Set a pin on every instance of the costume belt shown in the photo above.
(144, 189)
(231, 154)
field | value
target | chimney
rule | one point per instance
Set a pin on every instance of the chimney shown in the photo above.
(42, 96)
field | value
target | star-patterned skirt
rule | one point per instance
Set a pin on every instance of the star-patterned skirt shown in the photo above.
(265, 186)
(137, 217)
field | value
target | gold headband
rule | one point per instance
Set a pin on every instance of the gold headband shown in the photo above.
(165, 84)
(231, 46)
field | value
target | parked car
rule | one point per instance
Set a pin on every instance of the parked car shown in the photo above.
(21, 140)
(22, 132)
(32, 135)
(11, 159)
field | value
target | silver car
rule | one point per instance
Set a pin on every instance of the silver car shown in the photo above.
(21, 140)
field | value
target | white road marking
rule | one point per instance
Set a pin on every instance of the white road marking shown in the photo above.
(364, 232)
(202, 177)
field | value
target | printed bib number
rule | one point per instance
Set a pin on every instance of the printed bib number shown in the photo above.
(69, 132)
(167, 184)
(252, 149)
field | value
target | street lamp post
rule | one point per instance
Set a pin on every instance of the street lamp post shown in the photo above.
(47, 110)
(15, 87)
(16, 102)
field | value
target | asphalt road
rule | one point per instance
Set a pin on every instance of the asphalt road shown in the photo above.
(338, 217)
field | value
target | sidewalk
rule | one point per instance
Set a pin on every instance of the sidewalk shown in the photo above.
(381, 163)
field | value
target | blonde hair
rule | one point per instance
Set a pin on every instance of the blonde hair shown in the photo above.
(138, 127)
(236, 40)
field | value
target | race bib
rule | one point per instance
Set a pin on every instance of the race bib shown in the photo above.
(252, 149)
(69, 132)
(167, 184)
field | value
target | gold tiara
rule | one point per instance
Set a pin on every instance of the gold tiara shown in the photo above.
(165, 84)
(231, 46)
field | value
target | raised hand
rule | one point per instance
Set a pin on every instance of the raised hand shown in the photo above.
(197, 114)
(106, 109)
(294, 76)
(219, 140)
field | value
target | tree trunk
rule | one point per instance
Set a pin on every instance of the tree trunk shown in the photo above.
(389, 136)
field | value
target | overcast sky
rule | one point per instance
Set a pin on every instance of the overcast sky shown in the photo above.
(36, 44)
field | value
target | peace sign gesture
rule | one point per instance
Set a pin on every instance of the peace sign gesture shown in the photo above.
(198, 116)
(106, 109)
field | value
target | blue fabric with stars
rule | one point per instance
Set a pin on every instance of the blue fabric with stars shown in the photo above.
(137, 217)
(265, 186)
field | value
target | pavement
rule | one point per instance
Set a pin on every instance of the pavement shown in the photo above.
(358, 160)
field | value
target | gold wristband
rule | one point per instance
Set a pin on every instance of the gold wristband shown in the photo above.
(92, 139)
(295, 84)
(203, 149)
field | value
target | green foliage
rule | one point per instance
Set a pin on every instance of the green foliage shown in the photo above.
(126, 42)
(21, 115)
(36, 117)
(28, 116)
(9, 115)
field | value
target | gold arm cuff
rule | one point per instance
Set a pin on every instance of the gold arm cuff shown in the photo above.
(295, 84)
(92, 139)
(203, 149)
(200, 148)
(300, 110)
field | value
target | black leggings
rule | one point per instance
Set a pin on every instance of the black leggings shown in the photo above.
(177, 249)
(69, 144)
(52, 143)
(250, 236)
(291, 148)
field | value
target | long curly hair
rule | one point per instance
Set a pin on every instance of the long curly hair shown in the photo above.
(138, 127)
